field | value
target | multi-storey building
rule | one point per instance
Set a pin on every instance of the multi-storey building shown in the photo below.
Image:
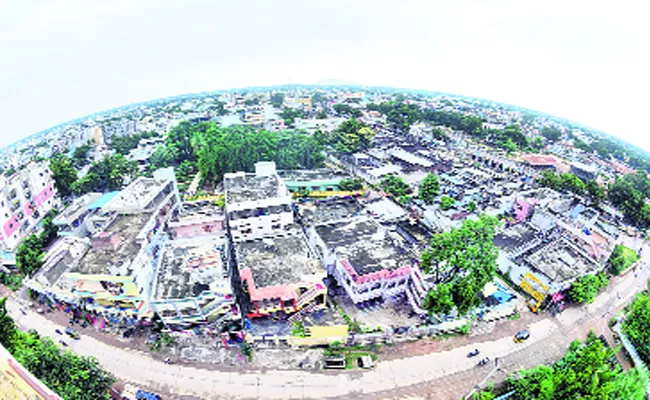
(281, 275)
(257, 205)
(192, 284)
(25, 198)
(114, 275)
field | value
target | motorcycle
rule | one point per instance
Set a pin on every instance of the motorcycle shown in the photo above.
(58, 331)
(484, 361)
(63, 343)
(473, 353)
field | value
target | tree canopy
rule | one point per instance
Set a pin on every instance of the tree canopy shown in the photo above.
(446, 202)
(289, 115)
(585, 372)
(71, 376)
(629, 193)
(462, 260)
(351, 184)
(105, 175)
(80, 155)
(237, 148)
(636, 325)
(63, 173)
(277, 99)
(429, 188)
(551, 133)
(124, 144)
(586, 288)
(621, 259)
(395, 185)
(352, 136)
(345, 110)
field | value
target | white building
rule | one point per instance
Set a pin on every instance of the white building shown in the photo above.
(257, 205)
(25, 198)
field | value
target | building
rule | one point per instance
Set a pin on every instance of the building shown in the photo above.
(319, 180)
(17, 383)
(96, 135)
(257, 205)
(324, 125)
(366, 259)
(274, 125)
(72, 220)
(122, 127)
(584, 171)
(192, 284)
(114, 275)
(281, 275)
(25, 199)
(198, 218)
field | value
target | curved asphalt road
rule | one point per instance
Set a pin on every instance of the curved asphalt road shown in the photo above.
(388, 378)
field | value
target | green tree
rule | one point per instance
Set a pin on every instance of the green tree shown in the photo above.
(551, 133)
(7, 327)
(29, 256)
(585, 372)
(345, 110)
(447, 202)
(538, 143)
(322, 114)
(105, 175)
(277, 99)
(439, 300)
(595, 191)
(636, 325)
(471, 206)
(395, 186)
(465, 258)
(351, 184)
(49, 232)
(352, 136)
(163, 157)
(429, 188)
(63, 173)
(586, 288)
(289, 115)
(621, 258)
(80, 155)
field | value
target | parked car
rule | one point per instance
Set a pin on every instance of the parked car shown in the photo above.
(72, 333)
(142, 395)
(521, 336)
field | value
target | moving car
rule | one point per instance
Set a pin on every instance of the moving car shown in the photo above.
(521, 336)
(72, 333)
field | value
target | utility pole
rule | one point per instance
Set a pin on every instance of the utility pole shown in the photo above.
(478, 386)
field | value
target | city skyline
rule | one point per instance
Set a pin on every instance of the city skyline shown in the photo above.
(97, 58)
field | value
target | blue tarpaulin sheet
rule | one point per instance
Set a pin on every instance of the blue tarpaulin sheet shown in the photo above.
(101, 202)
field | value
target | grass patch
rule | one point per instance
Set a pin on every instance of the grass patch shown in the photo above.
(351, 354)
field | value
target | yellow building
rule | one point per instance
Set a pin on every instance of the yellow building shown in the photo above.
(16, 383)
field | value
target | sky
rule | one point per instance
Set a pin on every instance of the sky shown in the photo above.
(587, 61)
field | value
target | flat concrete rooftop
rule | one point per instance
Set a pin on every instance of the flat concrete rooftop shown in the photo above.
(197, 210)
(114, 260)
(306, 175)
(367, 246)
(329, 210)
(188, 267)
(514, 236)
(561, 261)
(251, 187)
(278, 261)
